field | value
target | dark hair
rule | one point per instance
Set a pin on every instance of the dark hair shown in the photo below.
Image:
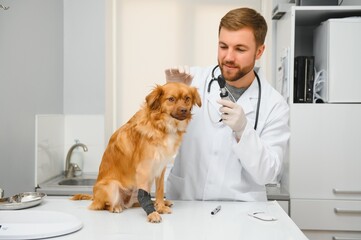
(239, 18)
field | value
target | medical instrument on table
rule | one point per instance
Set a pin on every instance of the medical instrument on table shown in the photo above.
(262, 216)
(3, 7)
(224, 92)
(216, 210)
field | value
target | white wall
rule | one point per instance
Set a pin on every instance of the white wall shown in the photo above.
(31, 82)
(154, 35)
(84, 56)
(52, 61)
(49, 142)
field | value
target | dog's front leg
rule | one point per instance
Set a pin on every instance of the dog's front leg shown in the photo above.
(161, 205)
(144, 198)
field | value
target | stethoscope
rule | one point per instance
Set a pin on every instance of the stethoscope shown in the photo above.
(222, 84)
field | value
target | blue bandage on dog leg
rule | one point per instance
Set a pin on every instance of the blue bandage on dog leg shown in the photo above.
(145, 201)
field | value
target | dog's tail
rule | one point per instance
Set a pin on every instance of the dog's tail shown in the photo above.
(82, 197)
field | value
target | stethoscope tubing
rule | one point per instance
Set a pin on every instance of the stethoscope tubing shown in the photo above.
(259, 93)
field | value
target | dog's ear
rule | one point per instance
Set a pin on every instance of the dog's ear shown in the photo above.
(196, 97)
(153, 99)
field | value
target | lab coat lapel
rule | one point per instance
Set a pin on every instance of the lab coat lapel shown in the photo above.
(250, 95)
(213, 106)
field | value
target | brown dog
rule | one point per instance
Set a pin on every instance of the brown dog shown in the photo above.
(138, 152)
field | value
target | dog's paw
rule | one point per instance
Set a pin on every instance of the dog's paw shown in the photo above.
(162, 209)
(154, 217)
(116, 209)
(97, 205)
(168, 203)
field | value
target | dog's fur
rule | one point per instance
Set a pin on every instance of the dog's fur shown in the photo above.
(138, 152)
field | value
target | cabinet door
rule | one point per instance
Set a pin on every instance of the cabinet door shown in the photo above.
(332, 235)
(333, 215)
(325, 151)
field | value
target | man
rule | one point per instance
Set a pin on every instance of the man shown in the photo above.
(226, 153)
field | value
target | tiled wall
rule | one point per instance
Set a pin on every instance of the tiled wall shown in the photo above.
(55, 134)
(88, 129)
(49, 142)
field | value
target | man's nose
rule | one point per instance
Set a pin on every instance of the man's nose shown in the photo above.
(230, 55)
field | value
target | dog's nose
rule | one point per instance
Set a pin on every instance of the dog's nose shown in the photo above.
(181, 113)
(183, 110)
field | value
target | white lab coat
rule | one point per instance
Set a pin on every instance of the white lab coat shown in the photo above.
(211, 165)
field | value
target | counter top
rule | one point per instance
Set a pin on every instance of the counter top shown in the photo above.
(51, 187)
(189, 220)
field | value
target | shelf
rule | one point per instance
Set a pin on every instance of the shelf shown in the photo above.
(313, 16)
(324, 147)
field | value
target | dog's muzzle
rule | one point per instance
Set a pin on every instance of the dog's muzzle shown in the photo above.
(181, 114)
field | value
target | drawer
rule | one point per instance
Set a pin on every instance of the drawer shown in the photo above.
(332, 235)
(326, 214)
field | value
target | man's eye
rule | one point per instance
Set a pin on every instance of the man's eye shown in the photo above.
(171, 99)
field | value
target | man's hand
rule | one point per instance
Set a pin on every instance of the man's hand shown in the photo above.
(233, 116)
(179, 74)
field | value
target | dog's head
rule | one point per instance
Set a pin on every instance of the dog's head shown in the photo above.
(175, 99)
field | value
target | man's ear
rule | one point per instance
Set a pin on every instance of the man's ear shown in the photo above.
(260, 51)
(153, 98)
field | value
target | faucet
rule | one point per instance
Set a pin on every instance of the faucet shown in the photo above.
(69, 168)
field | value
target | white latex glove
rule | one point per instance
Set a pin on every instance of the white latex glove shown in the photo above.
(178, 74)
(233, 116)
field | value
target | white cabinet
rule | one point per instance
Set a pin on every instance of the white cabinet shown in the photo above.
(325, 156)
(325, 144)
(334, 41)
(337, 215)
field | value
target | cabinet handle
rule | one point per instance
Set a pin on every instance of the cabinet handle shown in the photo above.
(350, 211)
(343, 191)
(345, 238)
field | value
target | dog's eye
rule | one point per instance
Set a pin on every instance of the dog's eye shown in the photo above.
(171, 99)
(187, 99)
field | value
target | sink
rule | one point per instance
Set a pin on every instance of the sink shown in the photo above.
(78, 182)
(62, 186)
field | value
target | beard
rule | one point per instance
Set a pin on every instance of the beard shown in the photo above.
(233, 76)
